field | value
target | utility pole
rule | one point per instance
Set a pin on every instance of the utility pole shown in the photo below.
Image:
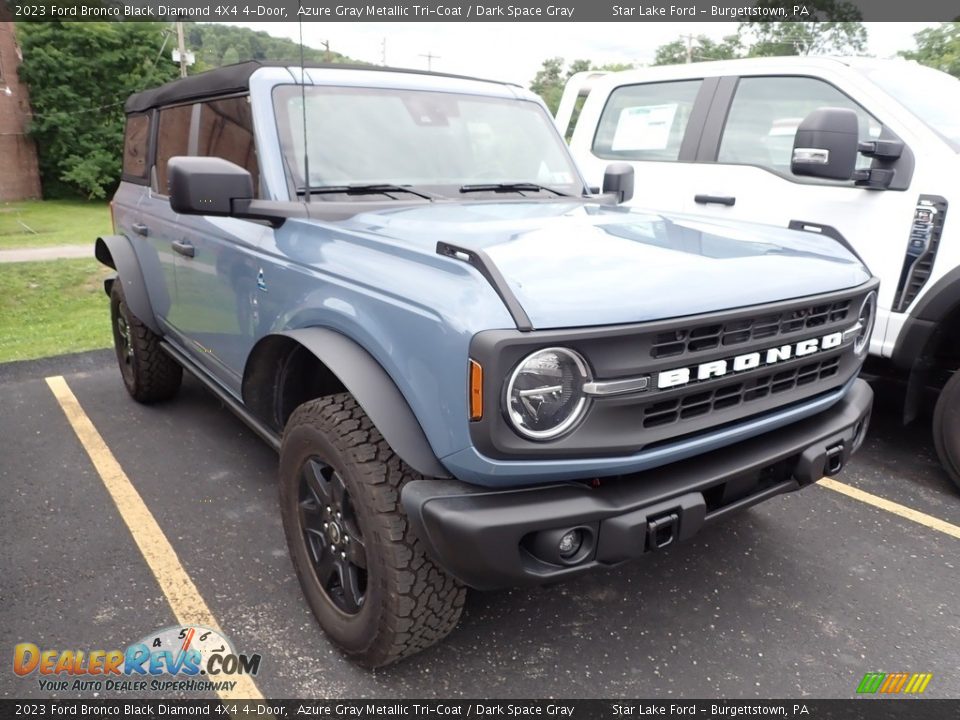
(430, 58)
(183, 50)
(383, 52)
(689, 38)
(326, 50)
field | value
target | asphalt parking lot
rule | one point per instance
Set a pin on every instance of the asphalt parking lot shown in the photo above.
(797, 597)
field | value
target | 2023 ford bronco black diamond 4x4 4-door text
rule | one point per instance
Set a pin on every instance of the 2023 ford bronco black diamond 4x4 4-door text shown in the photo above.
(477, 372)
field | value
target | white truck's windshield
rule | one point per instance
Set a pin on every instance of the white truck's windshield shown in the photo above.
(932, 96)
(442, 141)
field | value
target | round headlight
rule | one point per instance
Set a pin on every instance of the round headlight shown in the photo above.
(866, 319)
(545, 395)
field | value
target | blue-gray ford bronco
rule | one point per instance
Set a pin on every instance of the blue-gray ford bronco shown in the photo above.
(478, 372)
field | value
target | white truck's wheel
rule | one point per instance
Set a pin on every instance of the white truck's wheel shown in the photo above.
(946, 427)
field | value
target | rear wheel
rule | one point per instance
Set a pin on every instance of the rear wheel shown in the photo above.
(363, 571)
(149, 374)
(946, 427)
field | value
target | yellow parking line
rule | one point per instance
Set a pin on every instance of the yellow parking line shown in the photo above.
(903, 511)
(183, 596)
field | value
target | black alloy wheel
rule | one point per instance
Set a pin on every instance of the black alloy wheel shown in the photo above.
(331, 531)
(124, 346)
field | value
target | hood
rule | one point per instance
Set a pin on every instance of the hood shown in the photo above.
(575, 265)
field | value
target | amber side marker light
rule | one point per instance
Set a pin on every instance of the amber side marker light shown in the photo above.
(476, 390)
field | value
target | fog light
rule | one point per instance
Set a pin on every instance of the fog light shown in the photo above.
(570, 544)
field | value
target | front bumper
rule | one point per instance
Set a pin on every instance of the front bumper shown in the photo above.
(490, 539)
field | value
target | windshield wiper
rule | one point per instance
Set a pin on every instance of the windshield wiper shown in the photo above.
(511, 187)
(368, 189)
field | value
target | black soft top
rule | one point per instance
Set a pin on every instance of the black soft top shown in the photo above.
(233, 79)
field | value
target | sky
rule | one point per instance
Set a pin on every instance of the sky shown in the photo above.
(513, 52)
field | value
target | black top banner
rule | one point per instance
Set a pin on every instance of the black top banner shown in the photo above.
(483, 10)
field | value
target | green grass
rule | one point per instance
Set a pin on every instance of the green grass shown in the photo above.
(41, 223)
(52, 308)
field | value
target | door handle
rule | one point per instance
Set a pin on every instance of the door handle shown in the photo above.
(183, 247)
(141, 229)
(727, 200)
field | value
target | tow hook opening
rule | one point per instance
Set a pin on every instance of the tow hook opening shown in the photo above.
(662, 531)
(834, 461)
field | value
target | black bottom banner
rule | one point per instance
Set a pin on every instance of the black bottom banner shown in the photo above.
(868, 709)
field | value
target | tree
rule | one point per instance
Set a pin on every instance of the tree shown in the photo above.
(231, 56)
(79, 75)
(820, 27)
(938, 47)
(217, 45)
(548, 82)
(615, 67)
(700, 48)
(579, 66)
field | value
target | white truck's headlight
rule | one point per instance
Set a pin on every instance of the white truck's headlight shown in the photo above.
(545, 395)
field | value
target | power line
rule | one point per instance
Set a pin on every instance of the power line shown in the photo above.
(430, 58)
(62, 113)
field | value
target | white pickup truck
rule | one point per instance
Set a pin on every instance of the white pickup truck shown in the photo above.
(867, 151)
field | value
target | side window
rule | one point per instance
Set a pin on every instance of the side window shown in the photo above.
(226, 131)
(645, 122)
(136, 143)
(765, 113)
(173, 139)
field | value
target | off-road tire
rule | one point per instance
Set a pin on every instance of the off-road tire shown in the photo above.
(409, 603)
(946, 427)
(149, 374)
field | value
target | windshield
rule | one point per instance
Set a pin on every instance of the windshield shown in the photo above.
(931, 95)
(443, 141)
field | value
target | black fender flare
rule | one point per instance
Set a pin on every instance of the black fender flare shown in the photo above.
(116, 251)
(374, 390)
(919, 334)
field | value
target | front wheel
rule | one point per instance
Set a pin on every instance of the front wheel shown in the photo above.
(363, 571)
(946, 427)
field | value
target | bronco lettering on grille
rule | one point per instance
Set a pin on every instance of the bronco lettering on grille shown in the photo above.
(748, 361)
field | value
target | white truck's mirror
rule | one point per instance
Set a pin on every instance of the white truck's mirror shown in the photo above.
(618, 179)
(826, 144)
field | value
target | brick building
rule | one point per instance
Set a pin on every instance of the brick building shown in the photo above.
(19, 175)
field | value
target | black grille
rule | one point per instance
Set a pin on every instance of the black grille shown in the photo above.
(709, 345)
(737, 332)
(690, 406)
(921, 250)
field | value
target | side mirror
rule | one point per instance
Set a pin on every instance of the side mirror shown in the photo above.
(207, 185)
(618, 179)
(826, 144)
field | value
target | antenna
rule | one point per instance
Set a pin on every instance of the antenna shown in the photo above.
(303, 107)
